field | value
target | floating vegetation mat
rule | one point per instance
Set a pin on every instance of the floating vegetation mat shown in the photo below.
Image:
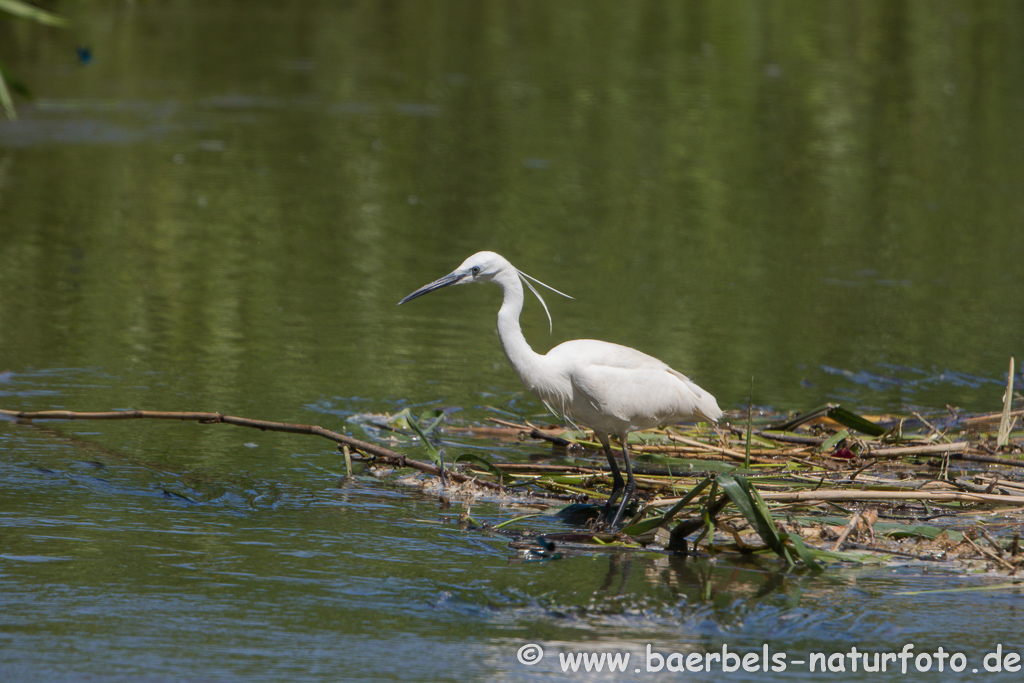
(824, 486)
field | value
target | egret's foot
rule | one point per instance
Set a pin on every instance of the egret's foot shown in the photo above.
(627, 496)
(611, 519)
(619, 514)
(611, 509)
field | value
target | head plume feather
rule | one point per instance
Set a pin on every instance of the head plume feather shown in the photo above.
(526, 279)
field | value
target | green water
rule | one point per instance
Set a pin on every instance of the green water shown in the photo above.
(220, 210)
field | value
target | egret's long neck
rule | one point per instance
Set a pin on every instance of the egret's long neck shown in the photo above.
(523, 358)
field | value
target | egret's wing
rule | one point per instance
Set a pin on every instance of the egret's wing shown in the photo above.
(640, 397)
(642, 394)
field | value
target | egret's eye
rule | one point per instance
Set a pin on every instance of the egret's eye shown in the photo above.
(475, 270)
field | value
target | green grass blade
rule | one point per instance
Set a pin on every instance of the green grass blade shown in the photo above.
(438, 416)
(643, 526)
(839, 414)
(709, 524)
(803, 552)
(705, 513)
(750, 430)
(347, 452)
(801, 419)
(435, 455)
(23, 10)
(832, 441)
(854, 421)
(401, 419)
(516, 519)
(1005, 424)
(899, 531)
(755, 511)
(483, 462)
(970, 589)
(5, 98)
(648, 524)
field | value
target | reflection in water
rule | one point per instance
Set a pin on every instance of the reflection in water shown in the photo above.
(674, 585)
(711, 194)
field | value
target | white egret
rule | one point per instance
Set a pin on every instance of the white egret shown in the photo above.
(609, 388)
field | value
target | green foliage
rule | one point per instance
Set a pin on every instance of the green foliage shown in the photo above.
(482, 462)
(1005, 423)
(750, 429)
(854, 421)
(654, 522)
(916, 531)
(838, 413)
(406, 418)
(755, 510)
(21, 10)
(5, 96)
(834, 440)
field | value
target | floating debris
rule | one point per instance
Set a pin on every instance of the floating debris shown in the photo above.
(824, 486)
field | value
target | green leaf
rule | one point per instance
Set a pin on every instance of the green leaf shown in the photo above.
(483, 462)
(839, 414)
(435, 455)
(750, 429)
(1015, 585)
(401, 419)
(803, 551)
(1005, 424)
(795, 422)
(516, 519)
(5, 98)
(915, 531)
(755, 511)
(761, 441)
(684, 466)
(855, 421)
(654, 522)
(798, 543)
(23, 10)
(705, 514)
(404, 419)
(832, 441)
(643, 526)
(438, 415)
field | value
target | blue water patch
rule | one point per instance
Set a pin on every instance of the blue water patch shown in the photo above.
(912, 378)
(29, 133)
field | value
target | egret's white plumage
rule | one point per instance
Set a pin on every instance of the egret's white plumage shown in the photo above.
(609, 388)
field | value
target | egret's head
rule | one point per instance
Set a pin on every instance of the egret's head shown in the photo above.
(480, 267)
(485, 266)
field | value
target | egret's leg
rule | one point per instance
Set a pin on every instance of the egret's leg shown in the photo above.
(630, 485)
(617, 484)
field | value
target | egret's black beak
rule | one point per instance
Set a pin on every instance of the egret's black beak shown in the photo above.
(450, 279)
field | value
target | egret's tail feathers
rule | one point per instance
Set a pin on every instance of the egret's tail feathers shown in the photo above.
(706, 406)
(701, 403)
(709, 410)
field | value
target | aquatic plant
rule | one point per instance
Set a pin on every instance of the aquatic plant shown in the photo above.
(22, 10)
(822, 486)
